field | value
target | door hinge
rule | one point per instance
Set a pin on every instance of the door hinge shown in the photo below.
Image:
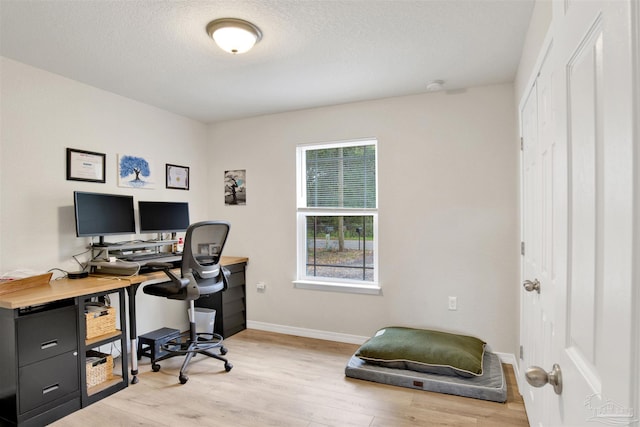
(522, 248)
(521, 353)
(521, 144)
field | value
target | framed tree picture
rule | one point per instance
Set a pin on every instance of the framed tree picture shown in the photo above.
(235, 187)
(135, 172)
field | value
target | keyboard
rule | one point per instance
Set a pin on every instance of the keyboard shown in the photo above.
(148, 256)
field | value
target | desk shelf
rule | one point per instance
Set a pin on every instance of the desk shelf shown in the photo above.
(109, 386)
(103, 339)
(118, 336)
(96, 250)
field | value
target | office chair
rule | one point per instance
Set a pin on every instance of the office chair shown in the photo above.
(201, 274)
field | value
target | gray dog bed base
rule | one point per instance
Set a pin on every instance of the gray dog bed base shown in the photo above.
(491, 385)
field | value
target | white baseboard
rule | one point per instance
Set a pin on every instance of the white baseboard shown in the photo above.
(510, 358)
(308, 333)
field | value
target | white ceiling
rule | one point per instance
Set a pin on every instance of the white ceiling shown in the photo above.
(313, 53)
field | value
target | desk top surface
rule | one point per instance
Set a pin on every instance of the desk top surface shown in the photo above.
(70, 288)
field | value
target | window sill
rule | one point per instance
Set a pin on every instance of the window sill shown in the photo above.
(353, 288)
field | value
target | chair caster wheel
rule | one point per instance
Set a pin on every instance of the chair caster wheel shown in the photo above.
(228, 366)
(155, 367)
(223, 351)
(183, 379)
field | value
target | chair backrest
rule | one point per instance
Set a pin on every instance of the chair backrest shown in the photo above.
(203, 245)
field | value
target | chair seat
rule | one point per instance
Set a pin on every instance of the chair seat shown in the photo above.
(166, 290)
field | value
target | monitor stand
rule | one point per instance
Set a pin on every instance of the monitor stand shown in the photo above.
(101, 243)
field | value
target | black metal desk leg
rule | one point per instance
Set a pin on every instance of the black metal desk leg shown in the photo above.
(133, 333)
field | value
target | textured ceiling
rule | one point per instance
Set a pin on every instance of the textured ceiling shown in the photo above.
(313, 53)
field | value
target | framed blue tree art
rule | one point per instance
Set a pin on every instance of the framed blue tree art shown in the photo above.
(135, 172)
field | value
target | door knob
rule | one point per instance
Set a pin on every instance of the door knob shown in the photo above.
(537, 377)
(530, 286)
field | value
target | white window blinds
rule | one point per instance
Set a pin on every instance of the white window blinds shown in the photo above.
(341, 177)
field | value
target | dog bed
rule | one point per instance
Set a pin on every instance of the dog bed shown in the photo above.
(413, 358)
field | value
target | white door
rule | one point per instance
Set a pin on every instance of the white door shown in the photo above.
(581, 221)
(537, 302)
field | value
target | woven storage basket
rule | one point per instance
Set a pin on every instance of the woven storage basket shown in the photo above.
(100, 322)
(99, 367)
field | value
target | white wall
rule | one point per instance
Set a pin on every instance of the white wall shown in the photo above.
(448, 198)
(41, 115)
(448, 213)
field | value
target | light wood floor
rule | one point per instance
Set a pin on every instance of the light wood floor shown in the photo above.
(282, 380)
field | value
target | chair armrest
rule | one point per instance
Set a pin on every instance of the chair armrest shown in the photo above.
(179, 282)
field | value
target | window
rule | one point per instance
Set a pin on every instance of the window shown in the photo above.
(337, 216)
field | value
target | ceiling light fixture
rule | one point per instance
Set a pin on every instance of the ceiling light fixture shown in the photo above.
(234, 35)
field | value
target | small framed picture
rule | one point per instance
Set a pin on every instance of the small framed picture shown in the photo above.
(177, 177)
(85, 165)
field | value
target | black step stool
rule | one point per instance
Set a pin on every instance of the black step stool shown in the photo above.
(150, 344)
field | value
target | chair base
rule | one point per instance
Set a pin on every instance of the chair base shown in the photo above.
(198, 343)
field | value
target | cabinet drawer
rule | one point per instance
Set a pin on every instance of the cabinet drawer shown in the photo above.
(233, 307)
(232, 294)
(236, 279)
(46, 334)
(233, 324)
(46, 381)
(236, 268)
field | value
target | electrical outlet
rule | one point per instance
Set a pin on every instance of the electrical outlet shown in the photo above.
(453, 303)
(261, 286)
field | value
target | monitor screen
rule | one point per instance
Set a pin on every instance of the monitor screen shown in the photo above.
(103, 214)
(163, 217)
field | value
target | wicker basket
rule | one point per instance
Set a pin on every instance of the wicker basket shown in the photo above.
(99, 367)
(100, 321)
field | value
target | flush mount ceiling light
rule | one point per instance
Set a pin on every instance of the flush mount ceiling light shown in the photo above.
(234, 35)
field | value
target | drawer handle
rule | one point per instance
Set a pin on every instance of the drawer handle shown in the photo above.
(48, 344)
(50, 389)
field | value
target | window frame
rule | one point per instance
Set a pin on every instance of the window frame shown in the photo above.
(302, 212)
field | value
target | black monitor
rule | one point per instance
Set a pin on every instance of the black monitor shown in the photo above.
(100, 215)
(163, 217)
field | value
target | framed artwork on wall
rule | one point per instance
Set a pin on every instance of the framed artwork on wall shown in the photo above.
(235, 187)
(85, 165)
(177, 177)
(135, 172)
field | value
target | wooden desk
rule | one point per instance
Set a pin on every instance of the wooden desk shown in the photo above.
(12, 304)
(61, 289)
(70, 288)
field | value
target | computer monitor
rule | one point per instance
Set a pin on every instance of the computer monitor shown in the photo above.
(163, 217)
(100, 215)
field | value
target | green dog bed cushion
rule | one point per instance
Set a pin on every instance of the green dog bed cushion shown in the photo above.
(423, 350)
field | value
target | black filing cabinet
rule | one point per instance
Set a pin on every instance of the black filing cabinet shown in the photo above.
(230, 305)
(39, 363)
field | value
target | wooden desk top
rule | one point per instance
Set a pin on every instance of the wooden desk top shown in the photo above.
(70, 288)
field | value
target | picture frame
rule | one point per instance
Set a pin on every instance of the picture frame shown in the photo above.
(136, 171)
(177, 177)
(235, 187)
(86, 166)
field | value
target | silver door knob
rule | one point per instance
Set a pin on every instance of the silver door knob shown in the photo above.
(530, 286)
(537, 377)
